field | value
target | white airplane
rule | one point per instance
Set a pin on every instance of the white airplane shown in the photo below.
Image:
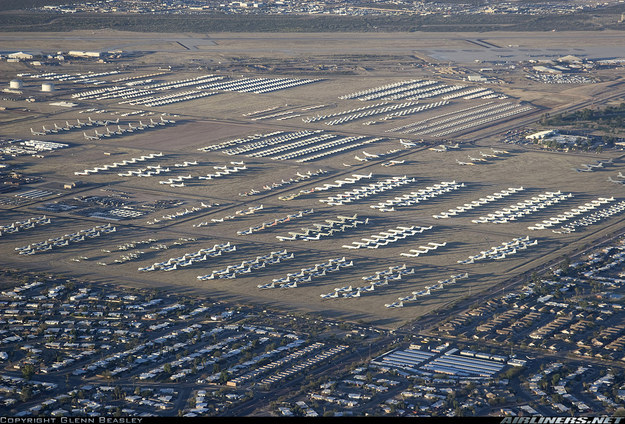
(615, 181)
(343, 289)
(33, 132)
(487, 155)
(476, 159)
(440, 149)
(407, 143)
(90, 137)
(464, 163)
(369, 155)
(399, 304)
(620, 175)
(499, 152)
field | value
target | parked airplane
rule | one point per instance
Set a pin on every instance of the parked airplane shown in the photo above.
(487, 155)
(464, 163)
(90, 137)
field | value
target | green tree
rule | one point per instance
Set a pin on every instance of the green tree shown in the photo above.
(27, 371)
(26, 394)
(118, 393)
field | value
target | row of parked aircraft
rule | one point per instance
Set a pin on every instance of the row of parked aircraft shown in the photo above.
(371, 156)
(565, 216)
(299, 177)
(275, 137)
(125, 162)
(415, 197)
(590, 167)
(379, 279)
(325, 230)
(502, 251)
(222, 172)
(344, 116)
(246, 267)
(242, 212)
(387, 89)
(126, 130)
(368, 190)
(70, 127)
(416, 295)
(479, 202)
(389, 236)
(185, 212)
(157, 169)
(263, 145)
(18, 226)
(445, 147)
(277, 221)
(523, 208)
(422, 250)
(482, 117)
(188, 259)
(336, 184)
(66, 239)
(484, 157)
(305, 275)
(592, 218)
(620, 180)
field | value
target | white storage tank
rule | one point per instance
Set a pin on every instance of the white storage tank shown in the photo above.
(47, 87)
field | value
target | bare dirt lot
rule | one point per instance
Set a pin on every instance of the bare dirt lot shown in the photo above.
(230, 115)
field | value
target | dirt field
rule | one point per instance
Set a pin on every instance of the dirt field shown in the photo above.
(211, 120)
